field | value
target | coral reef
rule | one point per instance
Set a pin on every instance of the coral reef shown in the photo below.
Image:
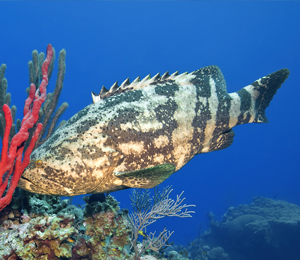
(34, 233)
(38, 122)
(5, 98)
(49, 115)
(46, 227)
(98, 203)
(48, 235)
(14, 158)
(109, 236)
(38, 204)
(146, 211)
(46, 116)
(265, 229)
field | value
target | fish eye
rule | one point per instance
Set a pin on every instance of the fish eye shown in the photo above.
(39, 163)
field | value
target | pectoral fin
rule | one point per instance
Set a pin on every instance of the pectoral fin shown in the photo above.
(148, 177)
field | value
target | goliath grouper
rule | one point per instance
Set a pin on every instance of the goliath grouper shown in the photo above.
(138, 134)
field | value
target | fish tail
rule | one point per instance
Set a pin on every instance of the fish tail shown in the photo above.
(256, 97)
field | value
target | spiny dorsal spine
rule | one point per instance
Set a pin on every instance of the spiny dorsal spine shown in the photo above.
(136, 84)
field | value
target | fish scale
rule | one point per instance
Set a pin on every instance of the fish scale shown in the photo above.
(140, 133)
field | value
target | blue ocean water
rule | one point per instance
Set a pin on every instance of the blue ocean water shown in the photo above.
(109, 41)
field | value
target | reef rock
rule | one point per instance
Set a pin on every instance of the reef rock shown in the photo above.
(265, 229)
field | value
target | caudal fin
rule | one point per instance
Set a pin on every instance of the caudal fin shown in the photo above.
(256, 97)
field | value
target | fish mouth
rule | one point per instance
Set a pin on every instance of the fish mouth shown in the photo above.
(28, 185)
(45, 187)
(27, 180)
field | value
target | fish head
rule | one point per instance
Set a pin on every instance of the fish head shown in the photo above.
(71, 164)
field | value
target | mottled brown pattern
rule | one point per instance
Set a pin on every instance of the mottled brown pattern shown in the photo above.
(138, 134)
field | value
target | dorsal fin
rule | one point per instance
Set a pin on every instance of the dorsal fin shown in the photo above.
(165, 75)
(114, 87)
(211, 72)
(154, 79)
(136, 84)
(146, 78)
(100, 96)
(125, 83)
(172, 76)
(137, 80)
(103, 91)
(95, 97)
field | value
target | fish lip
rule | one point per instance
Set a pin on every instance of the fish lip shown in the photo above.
(28, 185)
(27, 180)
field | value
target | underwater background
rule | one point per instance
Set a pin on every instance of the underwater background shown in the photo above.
(109, 41)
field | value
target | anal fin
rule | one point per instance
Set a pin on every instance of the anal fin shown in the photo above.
(221, 142)
(148, 177)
